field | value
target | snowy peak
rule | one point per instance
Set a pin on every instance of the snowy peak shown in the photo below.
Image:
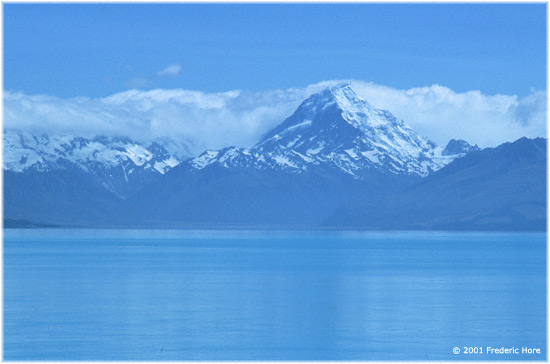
(323, 110)
(339, 129)
(339, 114)
(24, 151)
(343, 96)
(459, 147)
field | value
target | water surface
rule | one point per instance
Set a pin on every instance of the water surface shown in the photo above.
(268, 295)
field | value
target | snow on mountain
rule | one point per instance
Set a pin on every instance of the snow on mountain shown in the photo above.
(339, 129)
(459, 147)
(23, 151)
(334, 128)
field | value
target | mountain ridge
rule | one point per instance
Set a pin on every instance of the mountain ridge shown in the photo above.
(120, 164)
(336, 162)
(501, 188)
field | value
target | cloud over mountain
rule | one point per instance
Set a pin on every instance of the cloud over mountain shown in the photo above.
(442, 114)
(216, 120)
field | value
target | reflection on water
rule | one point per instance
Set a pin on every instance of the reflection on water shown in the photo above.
(245, 295)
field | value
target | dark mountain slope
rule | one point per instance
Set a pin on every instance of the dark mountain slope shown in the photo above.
(219, 196)
(501, 188)
(66, 197)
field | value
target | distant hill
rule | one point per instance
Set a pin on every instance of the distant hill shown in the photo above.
(499, 189)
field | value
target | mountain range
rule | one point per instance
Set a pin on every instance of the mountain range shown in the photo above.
(336, 162)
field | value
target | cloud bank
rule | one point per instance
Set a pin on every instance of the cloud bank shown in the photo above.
(441, 114)
(215, 120)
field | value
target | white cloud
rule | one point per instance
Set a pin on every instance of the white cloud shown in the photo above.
(216, 120)
(172, 70)
(208, 121)
(441, 114)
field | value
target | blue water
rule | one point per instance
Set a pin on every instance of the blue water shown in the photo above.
(248, 295)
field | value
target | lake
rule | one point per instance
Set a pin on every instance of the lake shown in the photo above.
(272, 295)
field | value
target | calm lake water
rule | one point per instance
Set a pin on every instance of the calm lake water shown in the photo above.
(267, 295)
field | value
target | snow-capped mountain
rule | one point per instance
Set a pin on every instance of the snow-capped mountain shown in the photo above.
(336, 158)
(114, 162)
(459, 148)
(334, 149)
(24, 151)
(339, 129)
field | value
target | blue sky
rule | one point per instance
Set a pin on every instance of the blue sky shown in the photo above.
(96, 50)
